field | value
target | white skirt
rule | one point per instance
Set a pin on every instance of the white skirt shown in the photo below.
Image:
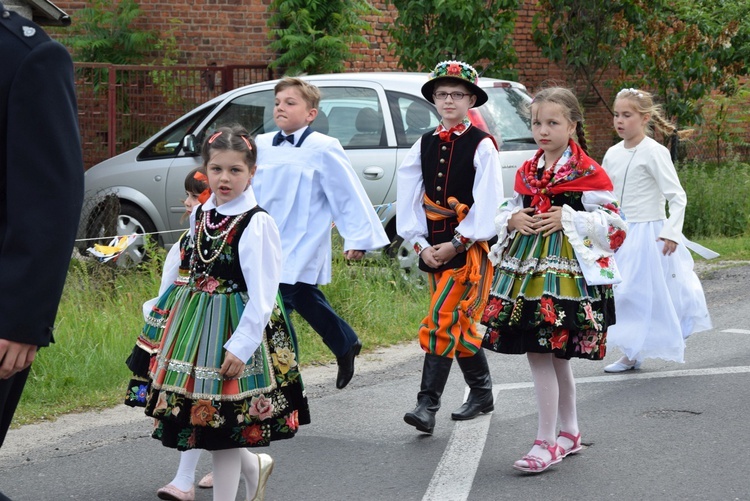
(660, 301)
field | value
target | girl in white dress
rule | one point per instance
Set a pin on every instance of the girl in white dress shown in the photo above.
(660, 301)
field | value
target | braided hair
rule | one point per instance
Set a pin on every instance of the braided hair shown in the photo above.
(643, 103)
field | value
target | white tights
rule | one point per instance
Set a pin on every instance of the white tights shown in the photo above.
(185, 476)
(555, 391)
(228, 465)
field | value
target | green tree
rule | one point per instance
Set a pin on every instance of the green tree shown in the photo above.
(315, 36)
(479, 32)
(680, 49)
(582, 37)
(687, 49)
(105, 32)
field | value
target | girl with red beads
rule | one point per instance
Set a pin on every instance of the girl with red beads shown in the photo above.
(225, 376)
(551, 297)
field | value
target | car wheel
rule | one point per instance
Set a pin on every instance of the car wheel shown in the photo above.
(408, 261)
(133, 219)
(130, 219)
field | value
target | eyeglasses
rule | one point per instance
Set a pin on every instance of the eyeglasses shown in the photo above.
(456, 96)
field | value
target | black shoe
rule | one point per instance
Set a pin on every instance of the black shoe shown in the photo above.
(477, 377)
(423, 416)
(474, 406)
(346, 365)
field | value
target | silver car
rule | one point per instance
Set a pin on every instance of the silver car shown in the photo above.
(376, 117)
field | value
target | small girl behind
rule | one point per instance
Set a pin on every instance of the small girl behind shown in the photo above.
(550, 297)
(155, 312)
(225, 376)
(660, 301)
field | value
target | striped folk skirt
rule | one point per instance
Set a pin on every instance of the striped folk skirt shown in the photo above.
(195, 407)
(540, 302)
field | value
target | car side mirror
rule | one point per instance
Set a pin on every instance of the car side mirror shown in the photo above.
(190, 145)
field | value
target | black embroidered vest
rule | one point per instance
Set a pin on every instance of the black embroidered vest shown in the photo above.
(448, 171)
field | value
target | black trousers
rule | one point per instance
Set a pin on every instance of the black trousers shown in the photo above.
(312, 305)
(10, 394)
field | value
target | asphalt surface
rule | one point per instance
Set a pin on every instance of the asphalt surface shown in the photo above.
(665, 432)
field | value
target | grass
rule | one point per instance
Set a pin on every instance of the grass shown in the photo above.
(100, 318)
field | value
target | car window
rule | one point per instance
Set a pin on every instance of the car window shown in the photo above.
(254, 111)
(169, 142)
(412, 117)
(353, 115)
(506, 117)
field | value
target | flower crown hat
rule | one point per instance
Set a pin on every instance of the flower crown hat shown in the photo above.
(459, 72)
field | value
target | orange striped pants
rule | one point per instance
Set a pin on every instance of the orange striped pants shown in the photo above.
(446, 330)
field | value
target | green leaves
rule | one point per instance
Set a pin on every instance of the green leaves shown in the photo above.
(426, 32)
(315, 36)
(680, 49)
(104, 33)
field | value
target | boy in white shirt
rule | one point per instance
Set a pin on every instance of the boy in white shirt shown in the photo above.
(305, 190)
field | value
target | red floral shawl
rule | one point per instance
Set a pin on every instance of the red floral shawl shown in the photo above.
(580, 173)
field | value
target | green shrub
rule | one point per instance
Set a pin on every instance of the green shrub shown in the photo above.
(718, 199)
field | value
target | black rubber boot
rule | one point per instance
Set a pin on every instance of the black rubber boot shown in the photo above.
(434, 376)
(477, 377)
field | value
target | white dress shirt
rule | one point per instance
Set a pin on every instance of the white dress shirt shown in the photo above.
(411, 219)
(305, 189)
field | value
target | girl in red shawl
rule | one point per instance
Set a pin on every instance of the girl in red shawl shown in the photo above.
(551, 296)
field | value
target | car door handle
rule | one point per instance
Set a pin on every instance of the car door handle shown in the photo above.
(373, 172)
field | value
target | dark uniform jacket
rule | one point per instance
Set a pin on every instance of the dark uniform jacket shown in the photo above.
(41, 178)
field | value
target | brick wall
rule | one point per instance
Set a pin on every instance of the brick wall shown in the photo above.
(234, 32)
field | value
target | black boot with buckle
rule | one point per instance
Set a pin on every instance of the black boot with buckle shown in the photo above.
(434, 376)
(477, 377)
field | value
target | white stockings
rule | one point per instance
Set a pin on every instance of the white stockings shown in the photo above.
(185, 476)
(555, 391)
(228, 465)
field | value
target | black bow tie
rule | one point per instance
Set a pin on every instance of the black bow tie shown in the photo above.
(280, 138)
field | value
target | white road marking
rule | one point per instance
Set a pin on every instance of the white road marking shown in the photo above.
(737, 331)
(454, 474)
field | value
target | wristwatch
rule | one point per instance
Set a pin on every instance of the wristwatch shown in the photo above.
(458, 245)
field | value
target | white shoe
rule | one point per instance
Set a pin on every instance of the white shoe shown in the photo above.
(622, 365)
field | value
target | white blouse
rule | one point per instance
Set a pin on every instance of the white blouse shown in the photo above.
(588, 231)
(645, 178)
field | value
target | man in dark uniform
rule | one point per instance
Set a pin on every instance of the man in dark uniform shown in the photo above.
(41, 192)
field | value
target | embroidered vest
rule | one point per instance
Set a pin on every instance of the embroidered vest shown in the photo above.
(448, 171)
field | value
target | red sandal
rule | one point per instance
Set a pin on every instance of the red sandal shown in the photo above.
(535, 464)
(574, 448)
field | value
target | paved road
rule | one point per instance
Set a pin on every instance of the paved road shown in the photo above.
(666, 432)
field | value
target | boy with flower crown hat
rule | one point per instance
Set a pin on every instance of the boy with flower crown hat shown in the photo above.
(449, 186)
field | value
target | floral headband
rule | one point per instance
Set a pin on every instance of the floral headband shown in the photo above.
(457, 69)
(632, 91)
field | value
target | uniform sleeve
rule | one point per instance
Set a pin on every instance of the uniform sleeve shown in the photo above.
(668, 182)
(43, 192)
(352, 212)
(411, 220)
(260, 260)
(478, 225)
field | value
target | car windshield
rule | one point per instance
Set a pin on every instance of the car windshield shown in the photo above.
(505, 116)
